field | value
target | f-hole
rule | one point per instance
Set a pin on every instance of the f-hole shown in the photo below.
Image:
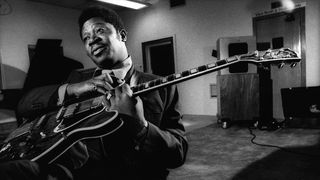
(158, 56)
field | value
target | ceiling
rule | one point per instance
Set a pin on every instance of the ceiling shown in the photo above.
(81, 4)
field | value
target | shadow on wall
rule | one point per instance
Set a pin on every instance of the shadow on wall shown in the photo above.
(12, 77)
(11, 86)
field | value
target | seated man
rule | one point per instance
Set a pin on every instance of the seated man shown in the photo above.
(150, 142)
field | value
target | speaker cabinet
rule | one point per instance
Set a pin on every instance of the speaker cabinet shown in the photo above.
(238, 96)
(231, 46)
(236, 49)
(301, 106)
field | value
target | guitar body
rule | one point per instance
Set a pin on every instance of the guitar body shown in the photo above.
(46, 138)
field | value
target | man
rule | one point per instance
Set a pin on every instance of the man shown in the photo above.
(150, 142)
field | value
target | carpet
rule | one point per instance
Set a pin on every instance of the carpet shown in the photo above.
(223, 154)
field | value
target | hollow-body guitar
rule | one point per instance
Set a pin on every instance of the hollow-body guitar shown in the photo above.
(45, 138)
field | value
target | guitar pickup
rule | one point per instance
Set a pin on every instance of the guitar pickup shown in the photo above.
(70, 110)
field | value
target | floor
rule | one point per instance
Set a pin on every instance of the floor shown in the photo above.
(231, 154)
(193, 122)
(243, 153)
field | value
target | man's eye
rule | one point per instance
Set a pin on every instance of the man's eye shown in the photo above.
(100, 30)
(85, 38)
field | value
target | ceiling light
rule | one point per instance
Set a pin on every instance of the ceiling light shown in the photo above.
(126, 3)
(288, 4)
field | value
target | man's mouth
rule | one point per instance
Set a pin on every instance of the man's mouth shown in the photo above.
(97, 50)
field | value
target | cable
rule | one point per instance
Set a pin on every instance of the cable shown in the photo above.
(278, 147)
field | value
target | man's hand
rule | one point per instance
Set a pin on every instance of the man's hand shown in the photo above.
(100, 84)
(125, 104)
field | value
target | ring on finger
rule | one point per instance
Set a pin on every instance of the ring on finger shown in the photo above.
(109, 95)
(94, 87)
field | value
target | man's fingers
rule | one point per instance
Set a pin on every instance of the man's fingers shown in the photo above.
(126, 89)
(105, 77)
(101, 91)
(108, 78)
(118, 91)
(102, 85)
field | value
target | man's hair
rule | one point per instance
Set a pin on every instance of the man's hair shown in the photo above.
(106, 14)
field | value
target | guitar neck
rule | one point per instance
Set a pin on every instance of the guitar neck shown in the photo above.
(282, 56)
(183, 76)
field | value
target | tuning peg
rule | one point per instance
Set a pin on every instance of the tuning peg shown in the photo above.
(293, 65)
(265, 68)
(281, 65)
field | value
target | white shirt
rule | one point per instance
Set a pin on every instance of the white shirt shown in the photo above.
(122, 71)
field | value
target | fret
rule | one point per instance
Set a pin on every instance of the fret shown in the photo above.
(137, 87)
(221, 62)
(152, 83)
(164, 80)
(157, 82)
(185, 73)
(211, 65)
(171, 77)
(141, 87)
(202, 68)
(194, 70)
(134, 89)
(177, 76)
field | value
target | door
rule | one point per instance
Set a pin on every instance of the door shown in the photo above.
(277, 31)
(158, 56)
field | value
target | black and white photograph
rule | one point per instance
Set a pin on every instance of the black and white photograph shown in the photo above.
(159, 89)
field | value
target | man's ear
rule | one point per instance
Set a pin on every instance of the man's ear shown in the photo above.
(123, 35)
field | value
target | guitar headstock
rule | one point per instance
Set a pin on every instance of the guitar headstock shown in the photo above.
(273, 56)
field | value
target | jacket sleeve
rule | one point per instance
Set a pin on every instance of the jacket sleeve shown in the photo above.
(166, 142)
(38, 101)
(43, 99)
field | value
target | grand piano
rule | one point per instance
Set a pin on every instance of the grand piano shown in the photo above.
(48, 66)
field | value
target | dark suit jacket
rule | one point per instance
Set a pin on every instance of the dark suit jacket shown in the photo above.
(122, 156)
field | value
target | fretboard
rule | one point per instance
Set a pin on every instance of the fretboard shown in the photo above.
(180, 77)
(275, 56)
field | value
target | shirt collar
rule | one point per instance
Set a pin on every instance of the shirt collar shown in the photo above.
(122, 71)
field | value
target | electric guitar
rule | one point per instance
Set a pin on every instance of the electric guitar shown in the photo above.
(49, 136)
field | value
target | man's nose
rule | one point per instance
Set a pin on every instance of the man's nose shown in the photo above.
(93, 39)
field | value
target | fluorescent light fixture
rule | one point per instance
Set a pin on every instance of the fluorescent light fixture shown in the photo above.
(126, 3)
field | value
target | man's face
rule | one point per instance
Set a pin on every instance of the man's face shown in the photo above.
(103, 43)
